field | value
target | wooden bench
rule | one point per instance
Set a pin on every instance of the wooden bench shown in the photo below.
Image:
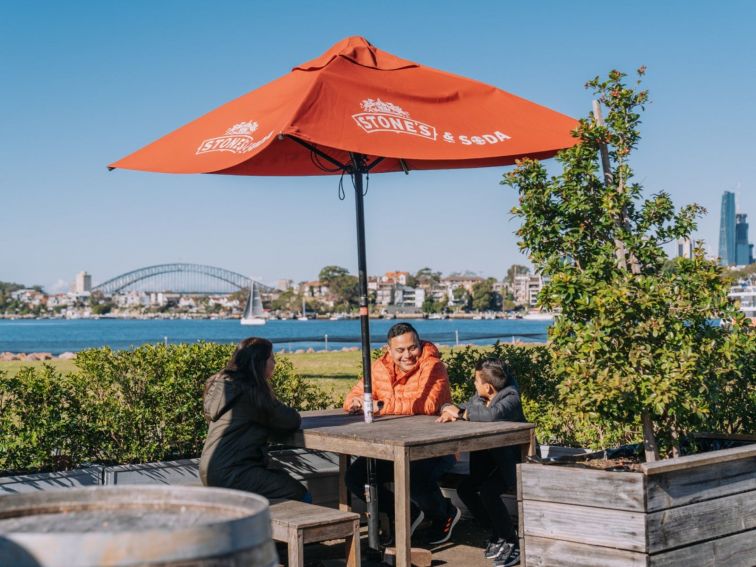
(297, 523)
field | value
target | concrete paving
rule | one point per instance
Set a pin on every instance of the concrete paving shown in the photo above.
(465, 549)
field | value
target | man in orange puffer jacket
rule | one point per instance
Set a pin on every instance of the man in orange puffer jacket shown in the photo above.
(409, 379)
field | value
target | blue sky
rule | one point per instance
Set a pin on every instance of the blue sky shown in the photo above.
(85, 83)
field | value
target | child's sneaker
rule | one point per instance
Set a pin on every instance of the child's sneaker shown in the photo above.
(497, 548)
(441, 530)
(510, 560)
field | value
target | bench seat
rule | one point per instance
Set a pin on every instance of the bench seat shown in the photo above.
(297, 523)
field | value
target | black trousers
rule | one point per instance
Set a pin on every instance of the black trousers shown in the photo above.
(481, 492)
(274, 484)
(424, 489)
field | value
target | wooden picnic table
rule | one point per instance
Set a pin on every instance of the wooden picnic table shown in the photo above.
(403, 439)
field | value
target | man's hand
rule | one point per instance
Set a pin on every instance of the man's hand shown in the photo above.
(355, 406)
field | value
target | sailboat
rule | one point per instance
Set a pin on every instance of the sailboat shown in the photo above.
(253, 313)
(303, 316)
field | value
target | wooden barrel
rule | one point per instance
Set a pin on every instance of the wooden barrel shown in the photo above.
(136, 525)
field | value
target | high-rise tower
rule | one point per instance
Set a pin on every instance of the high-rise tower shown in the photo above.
(743, 250)
(727, 256)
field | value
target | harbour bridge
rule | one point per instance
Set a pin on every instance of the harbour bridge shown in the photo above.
(179, 278)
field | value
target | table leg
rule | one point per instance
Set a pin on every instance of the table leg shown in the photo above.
(402, 506)
(296, 550)
(529, 449)
(344, 500)
(352, 544)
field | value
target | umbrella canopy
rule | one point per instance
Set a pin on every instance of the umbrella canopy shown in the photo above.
(357, 109)
(356, 98)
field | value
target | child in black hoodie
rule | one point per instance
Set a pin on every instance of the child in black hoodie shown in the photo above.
(492, 472)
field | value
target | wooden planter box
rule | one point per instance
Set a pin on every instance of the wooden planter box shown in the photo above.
(697, 511)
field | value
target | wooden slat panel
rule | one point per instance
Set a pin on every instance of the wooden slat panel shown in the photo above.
(686, 525)
(682, 487)
(704, 459)
(584, 524)
(583, 487)
(544, 552)
(737, 550)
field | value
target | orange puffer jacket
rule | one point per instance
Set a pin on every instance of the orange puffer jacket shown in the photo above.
(422, 390)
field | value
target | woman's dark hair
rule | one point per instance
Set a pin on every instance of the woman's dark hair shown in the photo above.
(401, 329)
(496, 372)
(247, 365)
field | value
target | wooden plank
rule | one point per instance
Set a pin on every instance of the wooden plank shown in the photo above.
(323, 441)
(545, 552)
(477, 443)
(737, 550)
(583, 487)
(344, 496)
(342, 530)
(404, 431)
(584, 524)
(520, 517)
(688, 486)
(686, 525)
(291, 513)
(296, 549)
(352, 545)
(402, 507)
(704, 459)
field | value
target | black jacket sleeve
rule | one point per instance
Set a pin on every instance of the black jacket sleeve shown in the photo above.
(505, 407)
(283, 418)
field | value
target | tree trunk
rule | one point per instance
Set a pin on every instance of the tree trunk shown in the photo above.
(620, 250)
(649, 441)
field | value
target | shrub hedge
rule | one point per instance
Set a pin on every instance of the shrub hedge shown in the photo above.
(146, 405)
(121, 406)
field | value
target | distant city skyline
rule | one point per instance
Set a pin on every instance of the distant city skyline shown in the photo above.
(87, 83)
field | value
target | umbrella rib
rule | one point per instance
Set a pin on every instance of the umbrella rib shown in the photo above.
(319, 152)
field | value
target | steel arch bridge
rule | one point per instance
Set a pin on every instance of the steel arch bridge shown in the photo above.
(179, 278)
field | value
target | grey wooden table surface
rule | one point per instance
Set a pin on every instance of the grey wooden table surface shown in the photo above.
(403, 439)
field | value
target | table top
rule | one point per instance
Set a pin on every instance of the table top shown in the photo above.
(401, 431)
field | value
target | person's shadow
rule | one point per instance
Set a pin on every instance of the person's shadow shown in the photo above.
(11, 553)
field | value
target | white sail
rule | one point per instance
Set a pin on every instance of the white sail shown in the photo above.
(253, 312)
(303, 316)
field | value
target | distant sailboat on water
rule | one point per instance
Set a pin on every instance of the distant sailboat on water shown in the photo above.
(253, 313)
(303, 316)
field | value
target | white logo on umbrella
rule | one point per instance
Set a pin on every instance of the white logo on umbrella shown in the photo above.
(383, 116)
(237, 140)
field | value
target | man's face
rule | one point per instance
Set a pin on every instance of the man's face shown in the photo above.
(405, 351)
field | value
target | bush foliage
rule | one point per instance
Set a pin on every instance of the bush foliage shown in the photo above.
(146, 405)
(121, 406)
(633, 338)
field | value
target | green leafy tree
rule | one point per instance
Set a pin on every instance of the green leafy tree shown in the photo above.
(461, 297)
(426, 277)
(484, 298)
(635, 343)
(343, 286)
(430, 305)
(514, 271)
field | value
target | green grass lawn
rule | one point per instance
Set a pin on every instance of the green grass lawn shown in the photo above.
(12, 367)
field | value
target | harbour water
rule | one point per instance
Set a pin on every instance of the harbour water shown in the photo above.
(58, 336)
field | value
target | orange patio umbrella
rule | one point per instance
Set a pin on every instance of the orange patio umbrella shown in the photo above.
(357, 109)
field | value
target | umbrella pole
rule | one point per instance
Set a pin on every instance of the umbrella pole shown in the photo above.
(371, 493)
